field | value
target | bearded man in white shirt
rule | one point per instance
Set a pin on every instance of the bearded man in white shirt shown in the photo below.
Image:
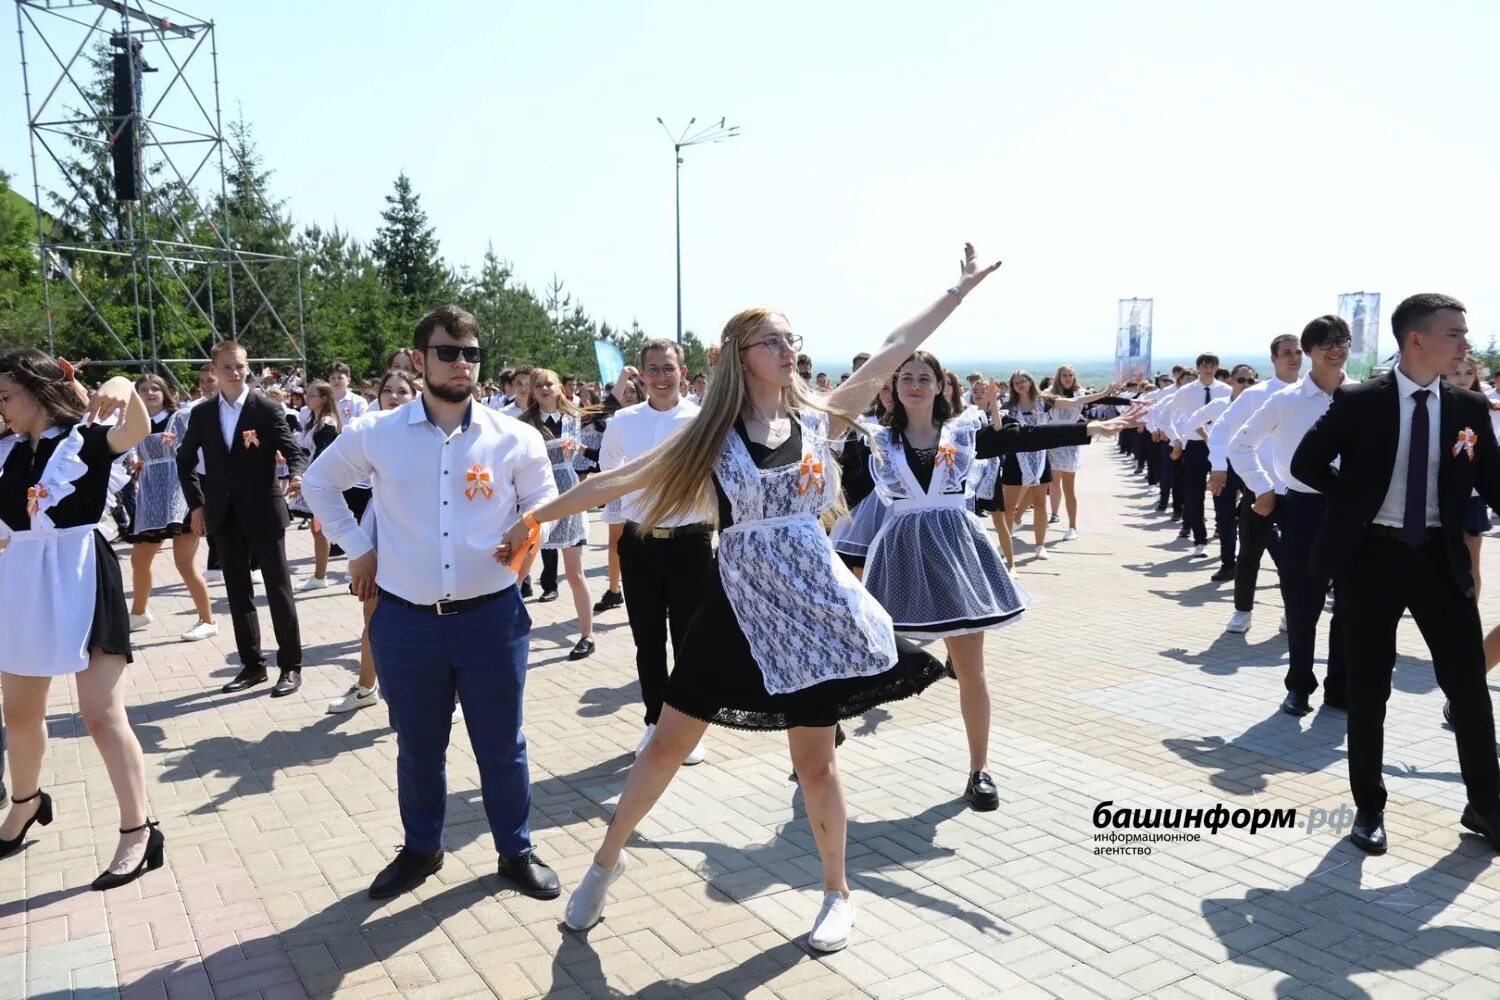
(448, 477)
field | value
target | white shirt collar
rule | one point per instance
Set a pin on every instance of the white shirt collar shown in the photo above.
(1310, 388)
(1407, 386)
(244, 395)
(417, 413)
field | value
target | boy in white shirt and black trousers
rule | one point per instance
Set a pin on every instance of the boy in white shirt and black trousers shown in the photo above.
(448, 477)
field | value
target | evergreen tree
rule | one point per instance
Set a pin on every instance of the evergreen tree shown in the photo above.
(406, 250)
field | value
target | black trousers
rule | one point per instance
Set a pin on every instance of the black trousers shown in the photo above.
(1299, 516)
(663, 583)
(1195, 471)
(1258, 535)
(1226, 513)
(1165, 475)
(1383, 578)
(235, 553)
(1147, 449)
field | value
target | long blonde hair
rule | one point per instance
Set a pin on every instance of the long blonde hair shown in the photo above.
(533, 412)
(681, 474)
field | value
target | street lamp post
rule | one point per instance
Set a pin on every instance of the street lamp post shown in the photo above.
(716, 132)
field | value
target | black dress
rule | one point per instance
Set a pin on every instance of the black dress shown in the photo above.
(717, 679)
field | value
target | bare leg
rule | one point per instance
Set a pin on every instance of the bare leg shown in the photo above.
(967, 653)
(366, 657)
(675, 737)
(1473, 542)
(1007, 545)
(1038, 499)
(101, 699)
(615, 531)
(1054, 494)
(1492, 649)
(185, 555)
(26, 740)
(1069, 481)
(141, 554)
(321, 548)
(823, 793)
(573, 568)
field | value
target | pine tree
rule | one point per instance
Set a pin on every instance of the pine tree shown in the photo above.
(406, 250)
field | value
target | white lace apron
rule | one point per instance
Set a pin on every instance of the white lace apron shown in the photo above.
(561, 452)
(806, 618)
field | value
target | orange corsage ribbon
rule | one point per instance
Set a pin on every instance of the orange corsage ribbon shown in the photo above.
(809, 475)
(168, 438)
(34, 497)
(250, 439)
(570, 446)
(479, 482)
(947, 454)
(1466, 441)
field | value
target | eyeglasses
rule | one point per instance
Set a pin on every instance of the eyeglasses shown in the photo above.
(662, 371)
(779, 345)
(1334, 342)
(449, 353)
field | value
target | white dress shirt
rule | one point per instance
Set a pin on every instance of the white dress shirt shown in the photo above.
(351, 406)
(1185, 402)
(1156, 416)
(1393, 510)
(1245, 404)
(633, 431)
(436, 540)
(229, 413)
(1204, 416)
(1282, 422)
(512, 410)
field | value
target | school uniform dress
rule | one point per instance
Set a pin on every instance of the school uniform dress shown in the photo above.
(160, 508)
(564, 445)
(785, 635)
(1029, 468)
(313, 440)
(852, 534)
(61, 593)
(1065, 459)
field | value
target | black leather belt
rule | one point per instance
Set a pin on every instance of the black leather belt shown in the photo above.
(443, 608)
(681, 530)
(1386, 531)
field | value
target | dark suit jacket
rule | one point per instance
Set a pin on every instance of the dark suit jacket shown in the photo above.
(240, 477)
(1361, 428)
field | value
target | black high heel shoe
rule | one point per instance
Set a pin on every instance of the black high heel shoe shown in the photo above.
(43, 815)
(155, 844)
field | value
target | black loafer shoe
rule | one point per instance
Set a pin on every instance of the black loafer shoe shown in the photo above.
(585, 648)
(1224, 575)
(1487, 827)
(530, 877)
(408, 871)
(245, 679)
(288, 683)
(547, 595)
(981, 794)
(1295, 703)
(1448, 711)
(1368, 831)
(612, 599)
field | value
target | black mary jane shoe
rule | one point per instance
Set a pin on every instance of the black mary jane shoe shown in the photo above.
(1368, 831)
(43, 815)
(153, 859)
(528, 875)
(409, 870)
(981, 793)
(585, 648)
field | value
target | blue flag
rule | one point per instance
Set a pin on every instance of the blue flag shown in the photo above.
(611, 362)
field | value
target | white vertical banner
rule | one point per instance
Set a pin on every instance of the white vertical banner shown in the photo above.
(1361, 310)
(1133, 339)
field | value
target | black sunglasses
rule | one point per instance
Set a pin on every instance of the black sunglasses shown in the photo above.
(448, 353)
(1244, 380)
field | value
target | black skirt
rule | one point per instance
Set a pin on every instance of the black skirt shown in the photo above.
(110, 631)
(1011, 475)
(156, 536)
(716, 678)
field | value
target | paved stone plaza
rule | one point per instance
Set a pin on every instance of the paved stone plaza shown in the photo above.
(1118, 685)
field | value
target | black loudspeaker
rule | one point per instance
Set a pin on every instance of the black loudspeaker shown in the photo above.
(125, 148)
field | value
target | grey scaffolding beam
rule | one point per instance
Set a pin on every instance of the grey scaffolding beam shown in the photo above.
(171, 276)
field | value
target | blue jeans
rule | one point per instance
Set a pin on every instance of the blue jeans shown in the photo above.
(423, 659)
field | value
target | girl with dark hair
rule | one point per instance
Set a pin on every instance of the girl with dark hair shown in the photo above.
(558, 420)
(161, 512)
(1025, 477)
(932, 567)
(62, 599)
(1066, 403)
(851, 534)
(988, 498)
(321, 426)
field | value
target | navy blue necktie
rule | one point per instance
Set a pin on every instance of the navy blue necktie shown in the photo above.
(1208, 396)
(1414, 521)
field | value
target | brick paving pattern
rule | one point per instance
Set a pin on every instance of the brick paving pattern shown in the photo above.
(1118, 684)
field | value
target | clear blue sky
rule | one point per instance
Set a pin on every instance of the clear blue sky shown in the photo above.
(1241, 165)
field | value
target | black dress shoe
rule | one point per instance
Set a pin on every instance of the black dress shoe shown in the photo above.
(246, 678)
(1161, 508)
(408, 871)
(532, 878)
(1448, 711)
(1296, 703)
(1368, 831)
(288, 683)
(1185, 532)
(1224, 575)
(547, 595)
(526, 590)
(153, 859)
(1487, 827)
(43, 815)
(981, 793)
(584, 649)
(611, 599)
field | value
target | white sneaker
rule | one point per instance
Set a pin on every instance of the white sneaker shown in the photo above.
(256, 578)
(1070, 534)
(640, 747)
(586, 906)
(355, 698)
(835, 923)
(695, 755)
(1199, 551)
(1041, 551)
(1239, 623)
(311, 583)
(1283, 621)
(201, 631)
(138, 622)
(213, 576)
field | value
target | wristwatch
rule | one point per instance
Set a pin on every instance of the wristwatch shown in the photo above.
(956, 292)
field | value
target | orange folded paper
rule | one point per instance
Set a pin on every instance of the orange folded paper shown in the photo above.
(522, 555)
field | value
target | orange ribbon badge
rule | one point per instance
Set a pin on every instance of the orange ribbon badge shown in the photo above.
(1467, 439)
(168, 438)
(809, 475)
(570, 446)
(479, 482)
(34, 497)
(250, 439)
(946, 455)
